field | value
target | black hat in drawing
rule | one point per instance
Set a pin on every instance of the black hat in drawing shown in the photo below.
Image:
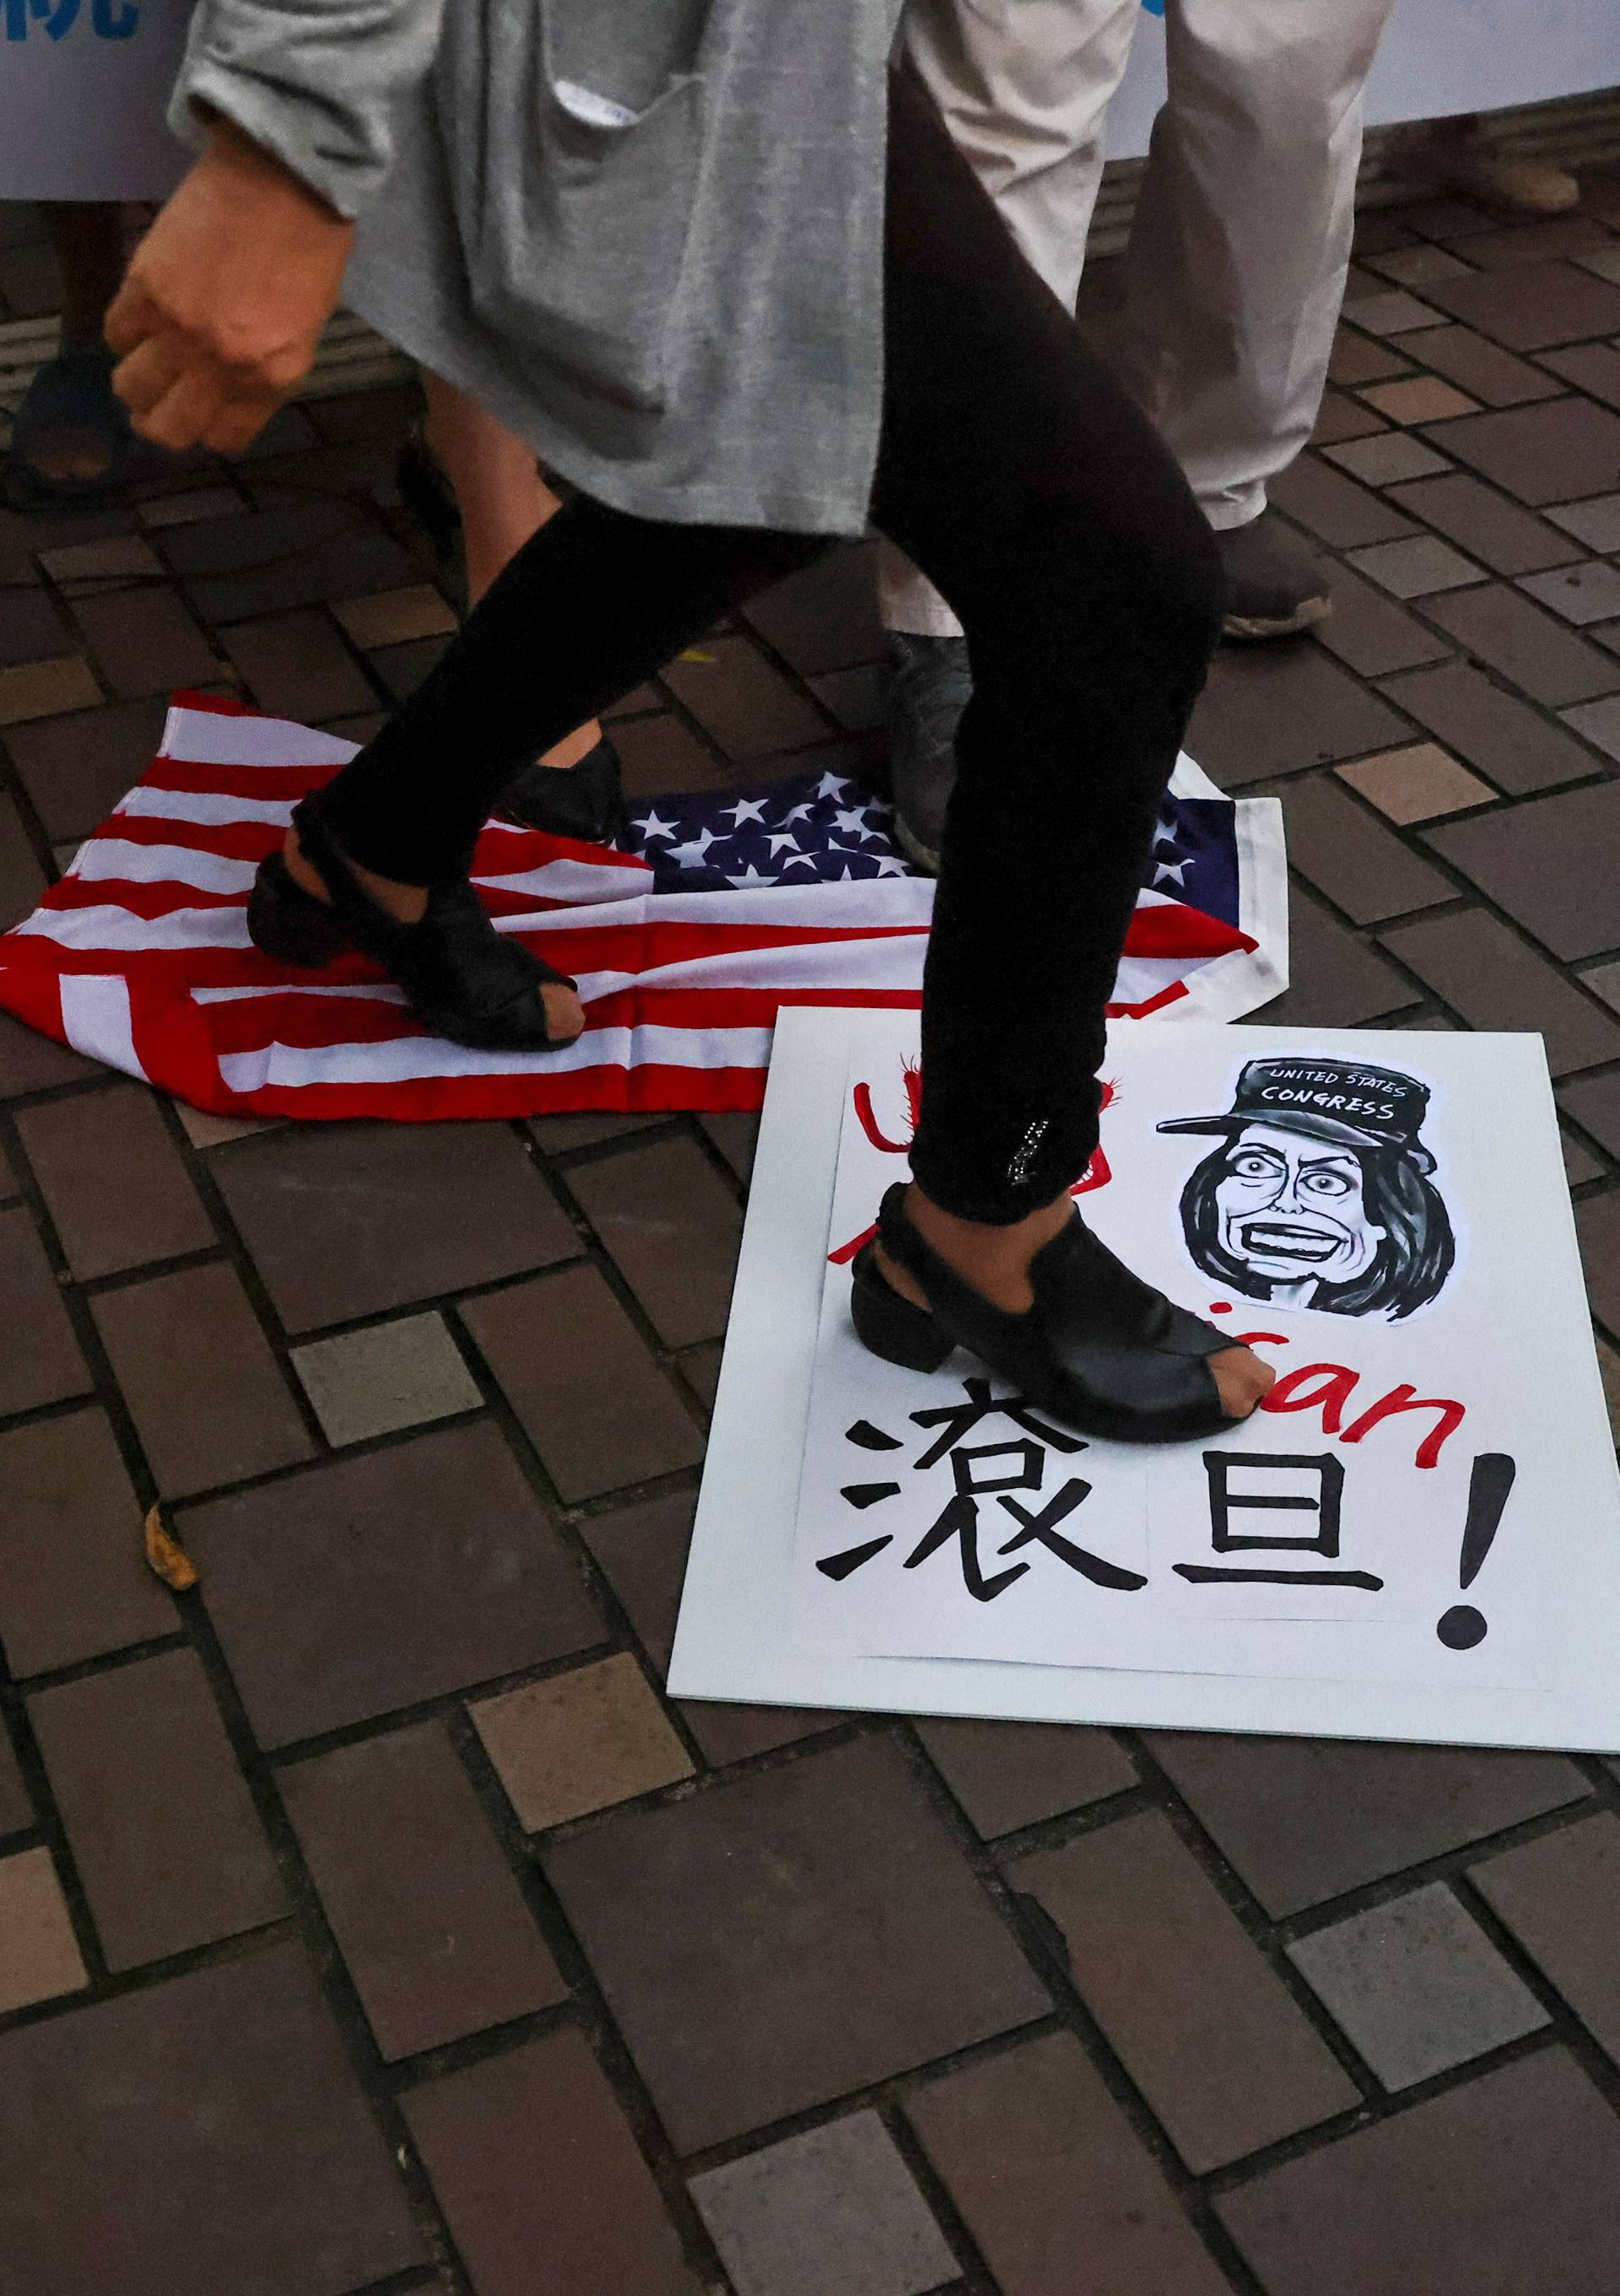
(1350, 1101)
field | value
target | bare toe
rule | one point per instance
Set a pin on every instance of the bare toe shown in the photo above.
(1242, 1379)
(564, 1013)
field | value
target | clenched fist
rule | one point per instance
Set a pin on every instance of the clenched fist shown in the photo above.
(220, 316)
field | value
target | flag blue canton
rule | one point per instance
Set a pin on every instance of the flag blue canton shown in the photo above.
(826, 830)
(1195, 856)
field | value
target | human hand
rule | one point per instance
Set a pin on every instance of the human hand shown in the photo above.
(222, 309)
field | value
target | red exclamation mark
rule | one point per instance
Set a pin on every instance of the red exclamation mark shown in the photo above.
(1462, 1627)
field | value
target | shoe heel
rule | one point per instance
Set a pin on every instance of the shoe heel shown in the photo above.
(285, 923)
(891, 1327)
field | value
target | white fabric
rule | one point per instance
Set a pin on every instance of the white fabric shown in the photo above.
(1236, 267)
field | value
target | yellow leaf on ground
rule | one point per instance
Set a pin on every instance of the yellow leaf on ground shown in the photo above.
(166, 1556)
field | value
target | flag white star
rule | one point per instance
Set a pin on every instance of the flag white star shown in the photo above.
(800, 861)
(747, 808)
(889, 864)
(830, 785)
(853, 824)
(652, 827)
(1176, 869)
(751, 876)
(1163, 834)
(695, 854)
(783, 842)
(800, 813)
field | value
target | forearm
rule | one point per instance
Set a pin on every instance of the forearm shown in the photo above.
(312, 82)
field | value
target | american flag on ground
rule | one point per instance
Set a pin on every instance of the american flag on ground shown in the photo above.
(718, 909)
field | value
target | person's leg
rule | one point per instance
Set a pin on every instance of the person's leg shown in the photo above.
(1088, 586)
(1240, 244)
(74, 431)
(503, 500)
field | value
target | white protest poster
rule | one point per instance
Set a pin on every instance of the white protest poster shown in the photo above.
(1419, 1536)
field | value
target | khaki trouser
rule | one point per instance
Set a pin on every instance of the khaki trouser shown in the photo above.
(1238, 255)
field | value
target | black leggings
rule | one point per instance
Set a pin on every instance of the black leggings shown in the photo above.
(1037, 498)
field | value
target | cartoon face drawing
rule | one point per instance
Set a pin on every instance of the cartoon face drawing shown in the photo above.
(1319, 1194)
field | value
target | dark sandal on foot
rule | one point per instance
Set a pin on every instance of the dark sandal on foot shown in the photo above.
(462, 978)
(586, 800)
(1099, 1349)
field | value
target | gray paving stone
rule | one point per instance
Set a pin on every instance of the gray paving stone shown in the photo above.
(1417, 1986)
(1415, 567)
(832, 2212)
(39, 1957)
(390, 1375)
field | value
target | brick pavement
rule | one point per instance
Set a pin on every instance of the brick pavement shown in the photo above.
(368, 1921)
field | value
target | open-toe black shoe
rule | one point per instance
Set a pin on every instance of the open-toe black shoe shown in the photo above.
(586, 800)
(1099, 1349)
(462, 978)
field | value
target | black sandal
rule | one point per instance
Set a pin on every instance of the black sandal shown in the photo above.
(1100, 1348)
(462, 978)
(586, 800)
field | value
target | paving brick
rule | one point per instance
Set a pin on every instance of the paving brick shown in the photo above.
(1482, 368)
(672, 1228)
(1596, 523)
(1358, 358)
(1359, 865)
(299, 554)
(724, 1929)
(1507, 539)
(145, 642)
(1508, 2183)
(559, 1135)
(45, 689)
(31, 629)
(1339, 418)
(1265, 1801)
(1390, 457)
(205, 1130)
(73, 1585)
(1424, 398)
(1416, 266)
(401, 668)
(737, 1135)
(700, 1367)
(1597, 1227)
(538, 2174)
(427, 1913)
(1278, 710)
(23, 880)
(659, 754)
(387, 1376)
(832, 2212)
(208, 2135)
(1336, 980)
(1587, 593)
(1498, 626)
(1547, 863)
(1417, 783)
(1484, 972)
(296, 666)
(1204, 2025)
(207, 1397)
(1515, 745)
(1599, 723)
(1560, 1897)
(1010, 1775)
(856, 697)
(1534, 306)
(1061, 2196)
(39, 1356)
(825, 616)
(121, 558)
(347, 1220)
(113, 1181)
(596, 1407)
(1571, 236)
(741, 700)
(1604, 982)
(1417, 1986)
(31, 1062)
(162, 1827)
(1548, 454)
(75, 768)
(195, 503)
(1580, 1164)
(397, 617)
(1595, 367)
(39, 1957)
(1393, 312)
(1415, 567)
(1594, 1102)
(580, 1742)
(373, 1583)
(1334, 508)
(1369, 632)
(16, 1810)
(643, 1552)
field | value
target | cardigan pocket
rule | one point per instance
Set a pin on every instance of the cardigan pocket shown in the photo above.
(591, 173)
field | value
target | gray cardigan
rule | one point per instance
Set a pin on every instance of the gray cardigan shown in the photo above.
(647, 232)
